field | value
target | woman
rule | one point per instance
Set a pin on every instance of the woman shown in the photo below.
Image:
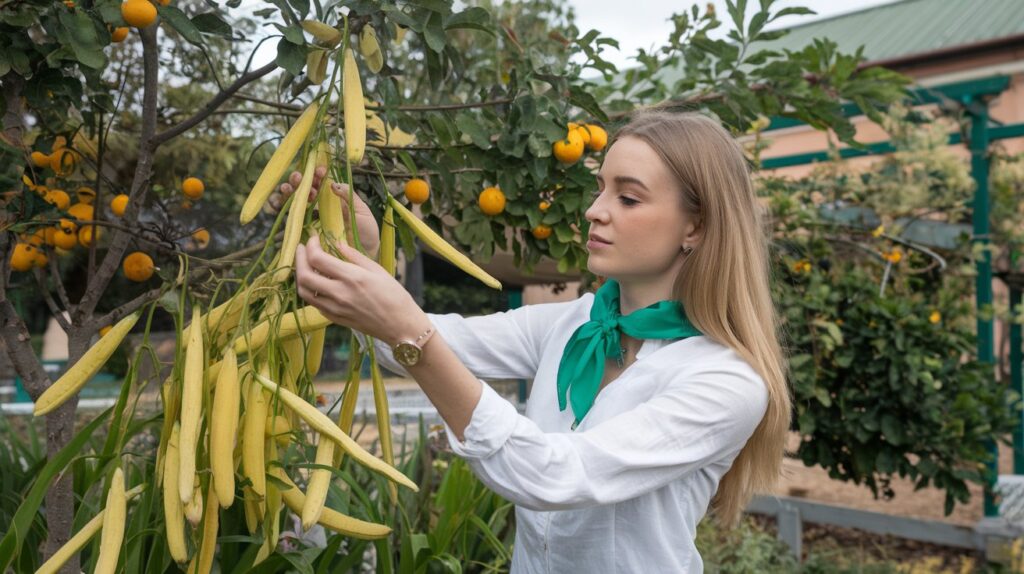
(661, 394)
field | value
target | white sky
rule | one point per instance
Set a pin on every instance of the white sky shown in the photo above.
(647, 24)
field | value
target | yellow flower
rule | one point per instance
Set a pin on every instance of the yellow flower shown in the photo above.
(878, 231)
(935, 317)
(802, 266)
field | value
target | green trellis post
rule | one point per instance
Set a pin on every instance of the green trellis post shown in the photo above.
(978, 110)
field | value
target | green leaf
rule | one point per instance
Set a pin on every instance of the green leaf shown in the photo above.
(180, 22)
(293, 34)
(475, 17)
(433, 33)
(212, 23)
(81, 33)
(469, 125)
(290, 56)
(584, 99)
(10, 545)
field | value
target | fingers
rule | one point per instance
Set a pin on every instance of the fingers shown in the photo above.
(312, 285)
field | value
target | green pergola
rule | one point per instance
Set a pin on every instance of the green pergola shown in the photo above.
(973, 97)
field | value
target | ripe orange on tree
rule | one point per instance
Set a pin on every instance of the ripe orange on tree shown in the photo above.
(193, 188)
(544, 205)
(23, 258)
(88, 235)
(119, 204)
(63, 161)
(58, 197)
(65, 238)
(49, 233)
(417, 190)
(541, 231)
(81, 211)
(582, 129)
(598, 138)
(86, 195)
(570, 149)
(40, 159)
(201, 237)
(491, 201)
(119, 34)
(138, 266)
(40, 259)
(138, 13)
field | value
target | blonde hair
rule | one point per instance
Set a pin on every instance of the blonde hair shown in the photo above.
(724, 283)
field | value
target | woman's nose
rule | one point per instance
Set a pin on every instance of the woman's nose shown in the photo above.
(596, 210)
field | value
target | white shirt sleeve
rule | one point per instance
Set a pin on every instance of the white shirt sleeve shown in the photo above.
(697, 421)
(505, 345)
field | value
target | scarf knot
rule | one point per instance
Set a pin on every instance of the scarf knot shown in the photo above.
(582, 366)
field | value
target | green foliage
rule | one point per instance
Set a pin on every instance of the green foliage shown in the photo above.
(881, 330)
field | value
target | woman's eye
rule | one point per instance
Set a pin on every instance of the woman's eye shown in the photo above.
(628, 202)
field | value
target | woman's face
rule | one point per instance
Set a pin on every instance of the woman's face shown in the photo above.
(637, 223)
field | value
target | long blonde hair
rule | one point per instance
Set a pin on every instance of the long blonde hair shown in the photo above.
(724, 283)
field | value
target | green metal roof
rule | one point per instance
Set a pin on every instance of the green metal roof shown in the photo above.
(911, 27)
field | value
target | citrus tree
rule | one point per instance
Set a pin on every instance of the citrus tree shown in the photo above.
(880, 318)
(480, 119)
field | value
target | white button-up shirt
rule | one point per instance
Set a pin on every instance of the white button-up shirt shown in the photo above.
(625, 491)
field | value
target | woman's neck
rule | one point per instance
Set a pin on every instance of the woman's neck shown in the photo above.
(635, 295)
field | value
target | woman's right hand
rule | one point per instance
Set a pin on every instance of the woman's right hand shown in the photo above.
(369, 231)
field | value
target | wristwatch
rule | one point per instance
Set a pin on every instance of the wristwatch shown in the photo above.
(407, 352)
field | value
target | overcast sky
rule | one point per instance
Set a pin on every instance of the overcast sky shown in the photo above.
(645, 24)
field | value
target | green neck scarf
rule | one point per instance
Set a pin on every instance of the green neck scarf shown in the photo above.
(582, 366)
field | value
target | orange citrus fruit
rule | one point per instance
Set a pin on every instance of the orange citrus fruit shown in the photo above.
(62, 161)
(138, 13)
(598, 138)
(40, 259)
(541, 232)
(40, 159)
(570, 149)
(49, 233)
(65, 238)
(35, 239)
(193, 188)
(544, 205)
(88, 235)
(138, 266)
(86, 195)
(581, 129)
(81, 211)
(24, 257)
(201, 237)
(119, 34)
(119, 204)
(417, 190)
(491, 201)
(58, 197)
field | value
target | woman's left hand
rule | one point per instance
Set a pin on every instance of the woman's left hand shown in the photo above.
(357, 293)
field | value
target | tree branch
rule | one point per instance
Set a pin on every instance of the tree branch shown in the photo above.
(57, 312)
(97, 282)
(230, 260)
(211, 106)
(402, 175)
(405, 108)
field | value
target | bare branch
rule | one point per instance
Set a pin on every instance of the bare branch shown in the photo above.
(405, 108)
(97, 282)
(62, 294)
(211, 106)
(57, 312)
(402, 175)
(231, 260)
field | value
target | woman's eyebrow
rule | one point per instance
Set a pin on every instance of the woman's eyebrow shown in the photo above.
(623, 180)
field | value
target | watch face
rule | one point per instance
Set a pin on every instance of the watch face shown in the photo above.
(407, 354)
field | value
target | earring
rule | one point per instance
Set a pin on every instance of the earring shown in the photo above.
(687, 250)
